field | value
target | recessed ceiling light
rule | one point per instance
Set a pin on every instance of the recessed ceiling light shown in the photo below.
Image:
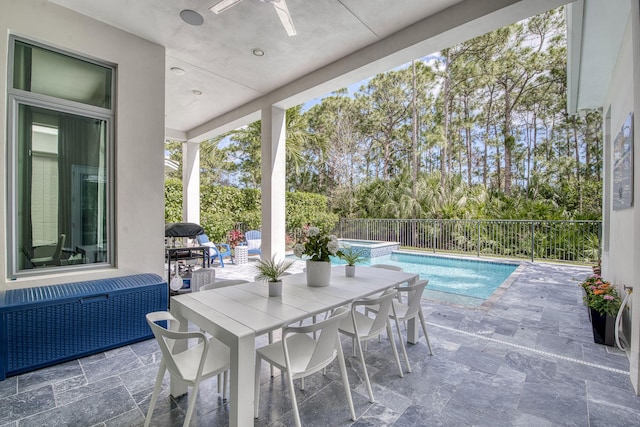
(196, 92)
(191, 17)
(258, 52)
(177, 71)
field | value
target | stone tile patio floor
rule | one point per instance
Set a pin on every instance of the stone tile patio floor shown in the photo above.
(528, 360)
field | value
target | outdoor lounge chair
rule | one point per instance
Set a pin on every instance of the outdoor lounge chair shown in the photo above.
(254, 242)
(219, 250)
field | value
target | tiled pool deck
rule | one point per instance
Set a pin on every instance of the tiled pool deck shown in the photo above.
(528, 359)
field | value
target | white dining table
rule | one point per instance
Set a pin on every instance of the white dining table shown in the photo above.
(237, 314)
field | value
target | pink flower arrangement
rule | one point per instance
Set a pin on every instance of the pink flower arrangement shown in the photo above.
(601, 295)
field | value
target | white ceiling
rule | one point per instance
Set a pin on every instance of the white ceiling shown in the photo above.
(339, 42)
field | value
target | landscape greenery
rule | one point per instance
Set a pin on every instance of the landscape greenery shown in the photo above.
(477, 131)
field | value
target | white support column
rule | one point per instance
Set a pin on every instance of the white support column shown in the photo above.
(191, 182)
(273, 181)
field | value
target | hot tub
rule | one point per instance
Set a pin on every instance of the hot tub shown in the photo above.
(371, 248)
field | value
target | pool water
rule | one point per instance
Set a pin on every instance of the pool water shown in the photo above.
(457, 280)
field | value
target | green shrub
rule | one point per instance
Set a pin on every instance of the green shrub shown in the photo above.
(172, 200)
(221, 208)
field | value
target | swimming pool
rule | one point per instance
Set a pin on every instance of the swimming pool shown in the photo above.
(455, 280)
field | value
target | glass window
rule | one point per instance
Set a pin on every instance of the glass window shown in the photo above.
(60, 176)
(46, 72)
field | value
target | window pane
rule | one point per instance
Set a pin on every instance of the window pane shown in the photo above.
(51, 73)
(62, 195)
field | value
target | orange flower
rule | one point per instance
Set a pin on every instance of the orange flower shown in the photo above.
(598, 292)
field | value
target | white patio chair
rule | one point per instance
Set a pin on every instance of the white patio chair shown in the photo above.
(206, 359)
(361, 327)
(300, 355)
(412, 309)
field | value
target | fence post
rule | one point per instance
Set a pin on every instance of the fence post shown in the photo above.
(533, 240)
(478, 238)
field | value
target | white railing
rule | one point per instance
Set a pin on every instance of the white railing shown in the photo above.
(571, 241)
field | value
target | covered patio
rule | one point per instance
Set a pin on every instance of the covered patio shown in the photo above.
(528, 359)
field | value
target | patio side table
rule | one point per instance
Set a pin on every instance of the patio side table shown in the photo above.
(241, 254)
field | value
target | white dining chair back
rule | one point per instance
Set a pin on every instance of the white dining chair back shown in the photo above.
(414, 296)
(361, 327)
(393, 268)
(207, 358)
(305, 350)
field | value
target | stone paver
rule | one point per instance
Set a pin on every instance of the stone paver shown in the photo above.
(525, 359)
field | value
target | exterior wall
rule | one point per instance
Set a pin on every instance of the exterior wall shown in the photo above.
(621, 255)
(139, 135)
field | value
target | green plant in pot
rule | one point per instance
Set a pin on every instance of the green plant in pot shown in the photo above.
(271, 270)
(351, 256)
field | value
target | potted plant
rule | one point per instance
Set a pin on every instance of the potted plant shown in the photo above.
(603, 302)
(270, 270)
(234, 238)
(351, 256)
(317, 246)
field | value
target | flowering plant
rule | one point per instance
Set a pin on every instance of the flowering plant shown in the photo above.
(602, 296)
(316, 244)
(235, 237)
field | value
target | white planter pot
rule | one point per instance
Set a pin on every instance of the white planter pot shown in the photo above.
(318, 273)
(350, 270)
(275, 288)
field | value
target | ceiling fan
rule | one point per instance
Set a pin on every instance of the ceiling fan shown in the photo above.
(279, 5)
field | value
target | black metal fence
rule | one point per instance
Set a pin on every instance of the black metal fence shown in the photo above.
(570, 241)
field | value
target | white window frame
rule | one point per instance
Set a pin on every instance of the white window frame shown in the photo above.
(17, 97)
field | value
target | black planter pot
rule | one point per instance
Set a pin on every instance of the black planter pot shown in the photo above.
(603, 328)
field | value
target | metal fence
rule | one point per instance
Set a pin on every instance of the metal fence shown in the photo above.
(571, 241)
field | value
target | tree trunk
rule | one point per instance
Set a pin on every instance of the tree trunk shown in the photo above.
(414, 138)
(508, 143)
(467, 128)
(445, 124)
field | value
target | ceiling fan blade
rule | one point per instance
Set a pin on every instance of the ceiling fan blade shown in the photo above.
(285, 17)
(223, 5)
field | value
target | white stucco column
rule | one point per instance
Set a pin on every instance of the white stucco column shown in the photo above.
(273, 181)
(191, 182)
